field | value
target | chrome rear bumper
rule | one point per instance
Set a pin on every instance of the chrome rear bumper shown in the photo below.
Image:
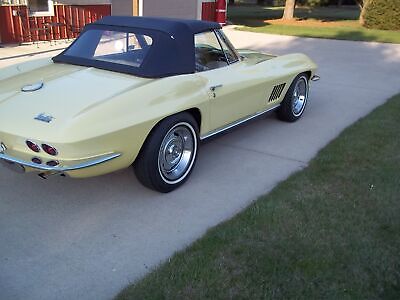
(19, 165)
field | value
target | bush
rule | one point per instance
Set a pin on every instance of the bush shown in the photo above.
(382, 14)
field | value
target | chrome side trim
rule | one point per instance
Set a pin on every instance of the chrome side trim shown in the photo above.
(57, 169)
(236, 123)
(214, 87)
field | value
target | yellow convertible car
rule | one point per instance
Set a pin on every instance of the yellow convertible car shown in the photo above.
(142, 92)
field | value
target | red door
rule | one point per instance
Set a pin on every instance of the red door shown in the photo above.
(208, 10)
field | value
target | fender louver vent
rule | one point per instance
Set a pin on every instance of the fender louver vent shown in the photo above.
(276, 92)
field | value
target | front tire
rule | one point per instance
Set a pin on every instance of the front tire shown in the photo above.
(169, 153)
(295, 101)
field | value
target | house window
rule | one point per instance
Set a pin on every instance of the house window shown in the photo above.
(41, 8)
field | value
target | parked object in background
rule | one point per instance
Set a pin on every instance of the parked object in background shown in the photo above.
(141, 91)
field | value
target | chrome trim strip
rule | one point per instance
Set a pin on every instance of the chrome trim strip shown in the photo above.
(236, 123)
(91, 163)
(214, 87)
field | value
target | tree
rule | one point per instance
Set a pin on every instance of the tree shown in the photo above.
(381, 14)
(360, 3)
(288, 13)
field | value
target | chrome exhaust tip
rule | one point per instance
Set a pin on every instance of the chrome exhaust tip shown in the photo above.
(46, 175)
(42, 175)
(315, 78)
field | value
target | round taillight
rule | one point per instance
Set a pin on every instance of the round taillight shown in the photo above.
(37, 160)
(52, 163)
(34, 147)
(49, 150)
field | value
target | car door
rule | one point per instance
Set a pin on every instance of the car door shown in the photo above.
(231, 89)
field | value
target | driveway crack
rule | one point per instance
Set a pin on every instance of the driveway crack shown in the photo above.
(303, 163)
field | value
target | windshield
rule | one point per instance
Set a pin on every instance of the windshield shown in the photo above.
(122, 48)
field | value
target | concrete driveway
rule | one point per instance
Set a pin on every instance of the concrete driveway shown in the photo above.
(87, 239)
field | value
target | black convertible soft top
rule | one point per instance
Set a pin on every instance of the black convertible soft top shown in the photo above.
(172, 51)
(175, 27)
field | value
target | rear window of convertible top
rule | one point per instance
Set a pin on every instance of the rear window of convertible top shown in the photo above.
(123, 48)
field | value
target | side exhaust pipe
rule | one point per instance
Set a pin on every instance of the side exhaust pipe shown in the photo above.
(46, 175)
(315, 78)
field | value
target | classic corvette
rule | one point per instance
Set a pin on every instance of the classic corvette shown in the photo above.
(142, 92)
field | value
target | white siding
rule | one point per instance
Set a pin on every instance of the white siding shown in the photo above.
(186, 9)
(122, 7)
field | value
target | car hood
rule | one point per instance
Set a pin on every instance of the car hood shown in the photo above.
(68, 91)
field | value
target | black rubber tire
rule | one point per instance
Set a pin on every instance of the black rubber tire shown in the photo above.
(285, 110)
(146, 164)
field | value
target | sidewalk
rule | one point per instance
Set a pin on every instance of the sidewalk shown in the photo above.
(12, 54)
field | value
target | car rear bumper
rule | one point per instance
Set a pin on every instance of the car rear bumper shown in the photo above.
(20, 165)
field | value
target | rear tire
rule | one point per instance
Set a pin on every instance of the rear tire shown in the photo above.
(169, 153)
(295, 101)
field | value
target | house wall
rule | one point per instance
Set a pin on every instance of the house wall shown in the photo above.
(125, 7)
(207, 10)
(83, 2)
(66, 2)
(16, 26)
(186, 9)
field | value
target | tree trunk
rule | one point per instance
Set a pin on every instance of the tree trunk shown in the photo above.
(288, 14)
(231, 2)
(340, 3)
(362, 4)
(361, 19)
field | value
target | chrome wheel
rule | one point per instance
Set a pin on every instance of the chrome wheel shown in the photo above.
(300, 94)
(177, 153)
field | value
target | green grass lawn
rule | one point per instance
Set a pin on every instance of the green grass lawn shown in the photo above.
(319, 22)
(331, 231)
(241, 13)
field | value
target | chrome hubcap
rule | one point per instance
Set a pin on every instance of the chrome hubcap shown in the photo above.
(300, 94)
(177, 152)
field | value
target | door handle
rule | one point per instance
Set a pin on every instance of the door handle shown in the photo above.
(214, 87)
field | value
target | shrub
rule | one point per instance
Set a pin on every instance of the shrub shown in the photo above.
(382, 14)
